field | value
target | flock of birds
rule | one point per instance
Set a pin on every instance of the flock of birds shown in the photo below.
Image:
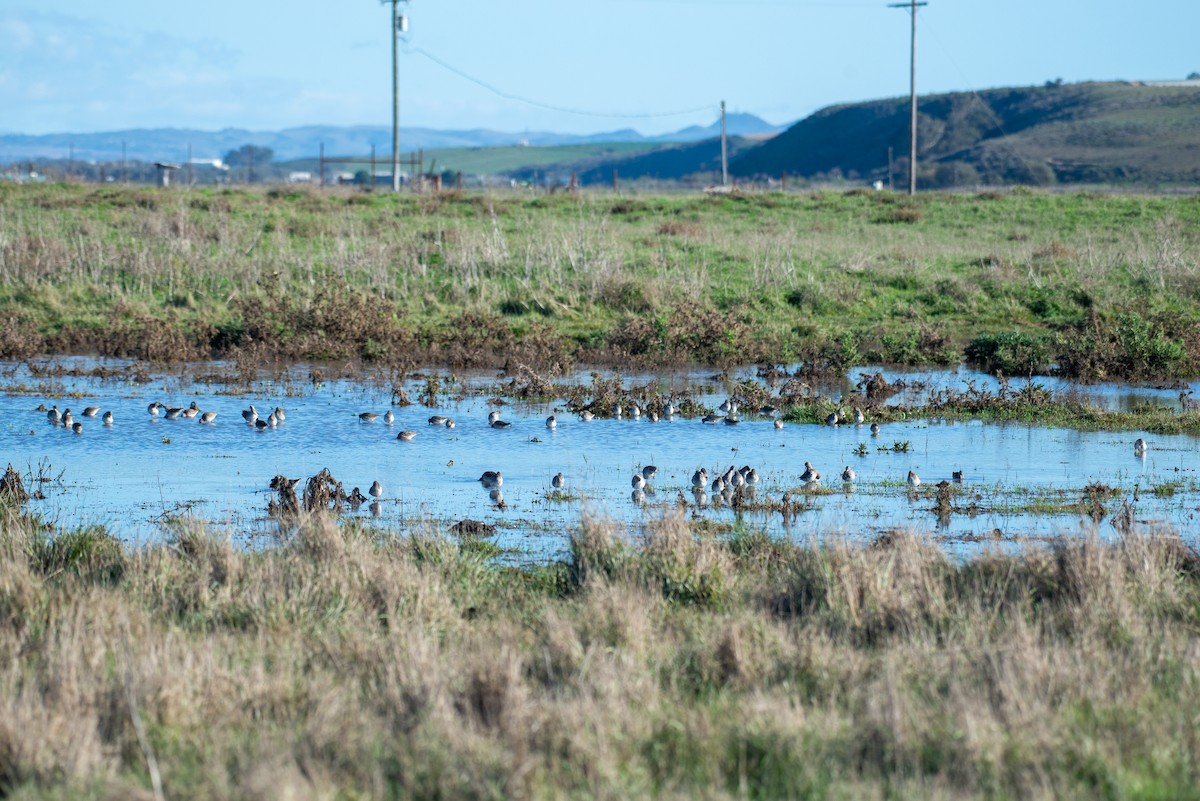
(725, 484)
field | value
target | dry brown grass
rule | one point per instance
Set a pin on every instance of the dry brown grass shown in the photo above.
(349, 663)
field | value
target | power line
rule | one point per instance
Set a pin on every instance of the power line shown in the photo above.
(550, 106)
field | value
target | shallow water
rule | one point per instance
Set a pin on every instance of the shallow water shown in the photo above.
(145, 470)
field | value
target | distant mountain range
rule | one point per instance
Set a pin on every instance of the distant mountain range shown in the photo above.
(172, 144)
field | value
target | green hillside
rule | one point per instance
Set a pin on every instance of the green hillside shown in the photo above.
(698, 162)
(1073, 133)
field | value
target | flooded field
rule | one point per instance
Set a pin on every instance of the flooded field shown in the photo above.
(142, 473)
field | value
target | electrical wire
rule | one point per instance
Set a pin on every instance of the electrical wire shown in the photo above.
(550, 106)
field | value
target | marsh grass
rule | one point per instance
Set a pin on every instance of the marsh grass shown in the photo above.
(349, 662)
(1091, 285)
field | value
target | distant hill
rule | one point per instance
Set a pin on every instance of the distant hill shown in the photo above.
(1087, 132)
(172, 144)
(696, 161)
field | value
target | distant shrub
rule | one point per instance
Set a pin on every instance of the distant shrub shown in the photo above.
(1010, 353)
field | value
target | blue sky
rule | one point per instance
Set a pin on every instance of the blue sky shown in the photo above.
(72, 66)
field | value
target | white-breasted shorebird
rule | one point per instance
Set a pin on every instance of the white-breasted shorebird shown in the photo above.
(368, 417)
(108, 418)
(811, 475)
(91, 411)
(551, 422)
(207, 417)
(638, 482)
(559, 481)
(406, 436)
(491, 478)
(389, 417)
(649, 472)
(848, 475)
(376, 490)
(1140, 447)
(438, 420)
(914, 480)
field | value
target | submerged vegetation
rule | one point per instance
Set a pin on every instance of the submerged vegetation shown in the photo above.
(350, 662)
(1087, 285)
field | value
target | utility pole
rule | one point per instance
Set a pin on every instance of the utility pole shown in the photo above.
(399, 24)
(724, 150)
(912, 67)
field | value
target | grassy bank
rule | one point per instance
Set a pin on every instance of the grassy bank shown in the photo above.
(352, 664)
(1101, 286)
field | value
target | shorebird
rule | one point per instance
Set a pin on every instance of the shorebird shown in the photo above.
(108, 418)
(778, 425)
(496, 496)
(669, 409)
(154, 408)
(751, 476)
(551, 422)
(618, 411)
(389, 417)
(832, 419)
(368, 417)
(438, 420)
(173, 412)
(406, 436)
(858, 416)
(559, 481)
(874, 429)
(635, 410)
(700, 478)
(77, 428)
(493, 416)
(449, 423)
(497, 423)
(810, 475)
(376, 490)
(737, 479)
(208, 417)
(91, 411)
(249, 415)
(848, 475)
(957, 475)
(1140, 447)
(67, 419)
(731, 420)
(638, 482)
(652, 417)
(491, 478)
(271, 421)
(649, 472)
(54, 416)
(711, 419)
(280, 413)
(260, 424)
(913, 479)
(191, 411)
(718, 484)
(727, 407)
(586, 416)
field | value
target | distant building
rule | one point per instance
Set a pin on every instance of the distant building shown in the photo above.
(299, 177)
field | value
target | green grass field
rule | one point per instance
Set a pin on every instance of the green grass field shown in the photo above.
(1096, 285)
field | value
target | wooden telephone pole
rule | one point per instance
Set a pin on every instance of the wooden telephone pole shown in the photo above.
(912, 67)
